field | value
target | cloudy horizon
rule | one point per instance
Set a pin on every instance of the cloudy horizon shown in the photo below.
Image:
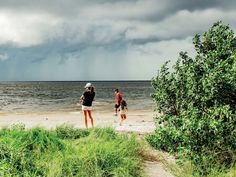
(100, 39)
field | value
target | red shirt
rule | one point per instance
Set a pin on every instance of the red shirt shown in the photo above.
(118, 97)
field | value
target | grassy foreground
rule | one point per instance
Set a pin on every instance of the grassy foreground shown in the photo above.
(187, 169)
(67, 151)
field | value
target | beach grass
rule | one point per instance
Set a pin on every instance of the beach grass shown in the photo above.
(67, 151)
(187, 169)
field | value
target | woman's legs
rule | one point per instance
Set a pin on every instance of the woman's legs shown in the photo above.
(90, 116)
(85, 118)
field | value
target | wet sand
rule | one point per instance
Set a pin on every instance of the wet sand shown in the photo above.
(137, 121)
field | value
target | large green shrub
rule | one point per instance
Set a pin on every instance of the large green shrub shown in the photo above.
(197, 100)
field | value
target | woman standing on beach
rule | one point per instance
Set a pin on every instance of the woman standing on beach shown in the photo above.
(87, 99)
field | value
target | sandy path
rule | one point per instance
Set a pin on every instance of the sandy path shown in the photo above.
(156, 169)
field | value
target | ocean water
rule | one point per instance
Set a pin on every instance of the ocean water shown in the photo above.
(23, 97)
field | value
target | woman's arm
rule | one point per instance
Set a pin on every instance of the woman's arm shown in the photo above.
(82, 98)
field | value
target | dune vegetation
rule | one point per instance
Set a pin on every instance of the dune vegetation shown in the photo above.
(197, 103)
(67, 151)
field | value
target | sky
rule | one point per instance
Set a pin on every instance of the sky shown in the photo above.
(73, 40)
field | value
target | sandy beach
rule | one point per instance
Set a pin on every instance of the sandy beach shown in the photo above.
(137, 121)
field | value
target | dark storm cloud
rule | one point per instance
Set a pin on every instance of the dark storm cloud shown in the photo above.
(67, 8)
(111, 16)
(66, 39)
(72, 7)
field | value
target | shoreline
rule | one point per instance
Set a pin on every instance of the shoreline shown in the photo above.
(140, 122)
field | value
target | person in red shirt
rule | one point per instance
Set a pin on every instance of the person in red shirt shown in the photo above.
(118, 96)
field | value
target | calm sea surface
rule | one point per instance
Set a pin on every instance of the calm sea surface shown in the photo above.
(20, 97)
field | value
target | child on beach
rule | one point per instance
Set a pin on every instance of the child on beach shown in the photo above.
(123, 109)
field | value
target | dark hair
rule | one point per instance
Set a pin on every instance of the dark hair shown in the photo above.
(116, 90)
(123, 103)
(92, 89)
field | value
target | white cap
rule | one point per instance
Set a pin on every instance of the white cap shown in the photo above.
(88, 85)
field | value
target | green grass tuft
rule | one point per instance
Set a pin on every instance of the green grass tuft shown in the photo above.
(67, 151)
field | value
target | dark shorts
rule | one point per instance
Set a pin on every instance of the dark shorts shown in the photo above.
(117, 105)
